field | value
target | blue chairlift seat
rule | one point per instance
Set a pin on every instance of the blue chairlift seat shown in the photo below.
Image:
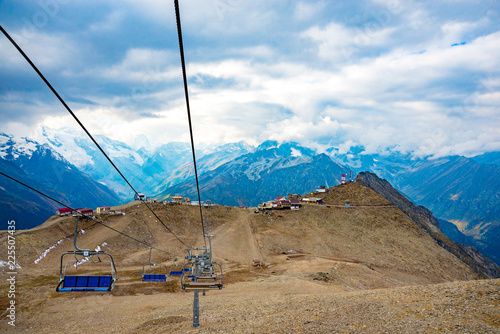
(154, 278)
(86, 283)
(152, 268)
(175, 272)
(176, 269)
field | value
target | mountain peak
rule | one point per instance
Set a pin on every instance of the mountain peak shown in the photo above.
(286, 149)
(268, 144)
(12, 148)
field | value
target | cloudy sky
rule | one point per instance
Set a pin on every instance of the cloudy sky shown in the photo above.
(404, 75)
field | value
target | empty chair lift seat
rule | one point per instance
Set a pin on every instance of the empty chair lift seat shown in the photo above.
(154, 278)
(86, 283)
(175, 272)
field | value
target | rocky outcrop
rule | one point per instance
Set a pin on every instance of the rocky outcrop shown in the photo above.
(426, 221)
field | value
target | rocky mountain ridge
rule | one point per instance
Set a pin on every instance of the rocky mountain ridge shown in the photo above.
(426, 221)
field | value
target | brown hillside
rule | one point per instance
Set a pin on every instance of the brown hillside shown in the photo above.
(353, 194)
(426, 220)
(321, 266)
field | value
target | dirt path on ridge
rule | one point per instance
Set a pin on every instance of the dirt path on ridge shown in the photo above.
(238, 235)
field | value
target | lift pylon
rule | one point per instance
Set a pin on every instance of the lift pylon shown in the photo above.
(200, 273)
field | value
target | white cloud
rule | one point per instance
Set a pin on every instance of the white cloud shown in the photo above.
(142, 66)
(337, 43)
(111, 23)
(386, 77)
(308, 10)
(47, 51)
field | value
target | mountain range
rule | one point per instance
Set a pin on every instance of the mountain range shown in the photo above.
(40, 167)
(272, 169)
(462, 191)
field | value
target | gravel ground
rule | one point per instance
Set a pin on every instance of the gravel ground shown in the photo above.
(276, 304)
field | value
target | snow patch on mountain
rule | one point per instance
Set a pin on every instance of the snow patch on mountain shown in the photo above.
(65, 142)
(141, 142)
(24, 147)
(296, 153)
(124, 152)
(241, 146)
(12, 148)
(4, 139)
(8, 264)
(255, 169)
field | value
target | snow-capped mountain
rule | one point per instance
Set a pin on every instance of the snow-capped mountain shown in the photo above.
(11, 150)
(272, 169)
(147, 168)
(386, 165)
(46, 170)
(207, 160)
(79, 150)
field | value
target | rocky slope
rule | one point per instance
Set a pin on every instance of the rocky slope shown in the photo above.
(426, 220)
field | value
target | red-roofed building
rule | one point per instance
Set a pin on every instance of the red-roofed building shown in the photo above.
(281, 204)
(285, 204)
(63, 211)
(86, 212)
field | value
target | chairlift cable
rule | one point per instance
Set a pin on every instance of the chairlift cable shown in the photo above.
(63, 103)
(186, 94)
(83, 127)
(73, 210)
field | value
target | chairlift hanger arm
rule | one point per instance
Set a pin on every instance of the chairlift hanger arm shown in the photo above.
(85, 251)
